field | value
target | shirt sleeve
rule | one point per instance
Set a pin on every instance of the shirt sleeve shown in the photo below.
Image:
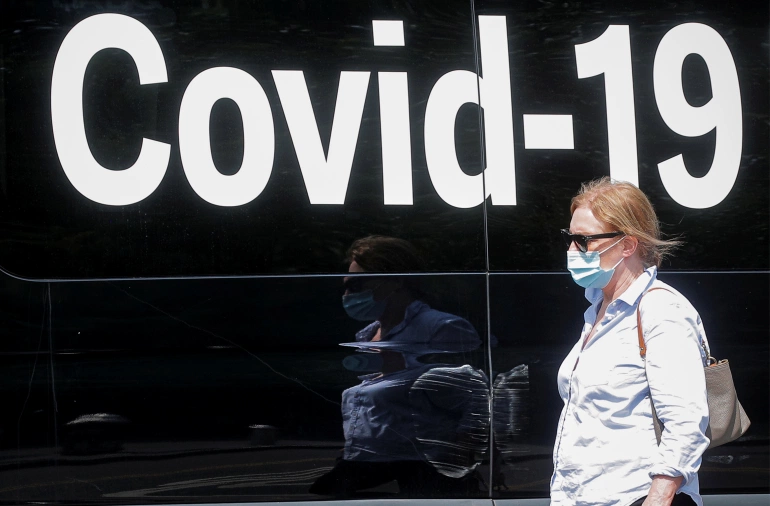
(677, 383)
(453, 333)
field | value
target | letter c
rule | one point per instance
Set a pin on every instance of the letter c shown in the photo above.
(110, 187)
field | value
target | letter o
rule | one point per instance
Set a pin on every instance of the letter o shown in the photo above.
(195, 143)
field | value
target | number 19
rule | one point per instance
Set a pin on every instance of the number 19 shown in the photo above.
(610, 54)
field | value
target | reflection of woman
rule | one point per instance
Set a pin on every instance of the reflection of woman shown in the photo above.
(379, 415)
(606, 450)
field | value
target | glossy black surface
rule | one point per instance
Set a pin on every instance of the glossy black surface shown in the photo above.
(542, 38)
(212, 390)
(51, 230)
(28, 419)
(229, 389)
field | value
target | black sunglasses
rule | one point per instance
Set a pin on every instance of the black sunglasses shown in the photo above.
(582, 240)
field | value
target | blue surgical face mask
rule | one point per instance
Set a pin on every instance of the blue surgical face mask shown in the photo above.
(363, 362)
(586, 268)
(362, 306)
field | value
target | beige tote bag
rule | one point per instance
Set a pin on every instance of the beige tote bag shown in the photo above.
(727, 419)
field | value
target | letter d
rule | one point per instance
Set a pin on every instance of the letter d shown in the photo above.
(451, 92)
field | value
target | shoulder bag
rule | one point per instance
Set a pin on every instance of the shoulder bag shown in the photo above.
(727, 420)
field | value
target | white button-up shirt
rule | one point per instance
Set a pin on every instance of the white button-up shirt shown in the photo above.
(606, 452)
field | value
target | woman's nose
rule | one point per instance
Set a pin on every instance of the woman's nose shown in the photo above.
(573, 247)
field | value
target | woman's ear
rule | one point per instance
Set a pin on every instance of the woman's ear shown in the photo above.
(630, 244)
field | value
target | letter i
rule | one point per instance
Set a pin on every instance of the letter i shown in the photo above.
(394, 121)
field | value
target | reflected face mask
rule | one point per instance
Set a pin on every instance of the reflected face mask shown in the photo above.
(363, 362)
(361, 306)
(586, 267)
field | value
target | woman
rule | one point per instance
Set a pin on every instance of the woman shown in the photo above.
(606, 451)
(384, 416)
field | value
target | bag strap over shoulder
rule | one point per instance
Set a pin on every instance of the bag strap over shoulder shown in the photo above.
(642, 344)
(656, 423)
(727, 419)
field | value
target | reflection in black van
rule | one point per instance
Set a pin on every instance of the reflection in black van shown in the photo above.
(423, 424)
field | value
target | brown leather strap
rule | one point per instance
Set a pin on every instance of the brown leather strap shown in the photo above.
(642, 344)
(656, 424)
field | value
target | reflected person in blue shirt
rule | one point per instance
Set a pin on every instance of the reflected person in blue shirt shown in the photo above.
(408, 421)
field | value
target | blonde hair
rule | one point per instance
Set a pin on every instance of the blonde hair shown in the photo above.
(627, 209)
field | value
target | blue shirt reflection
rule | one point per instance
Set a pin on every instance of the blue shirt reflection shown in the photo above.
(379, 417)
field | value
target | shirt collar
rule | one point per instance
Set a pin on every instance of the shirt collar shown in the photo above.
(632, 293)
(368, 332)
(412, 310)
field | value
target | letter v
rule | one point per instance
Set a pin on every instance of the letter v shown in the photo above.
(326, 178)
